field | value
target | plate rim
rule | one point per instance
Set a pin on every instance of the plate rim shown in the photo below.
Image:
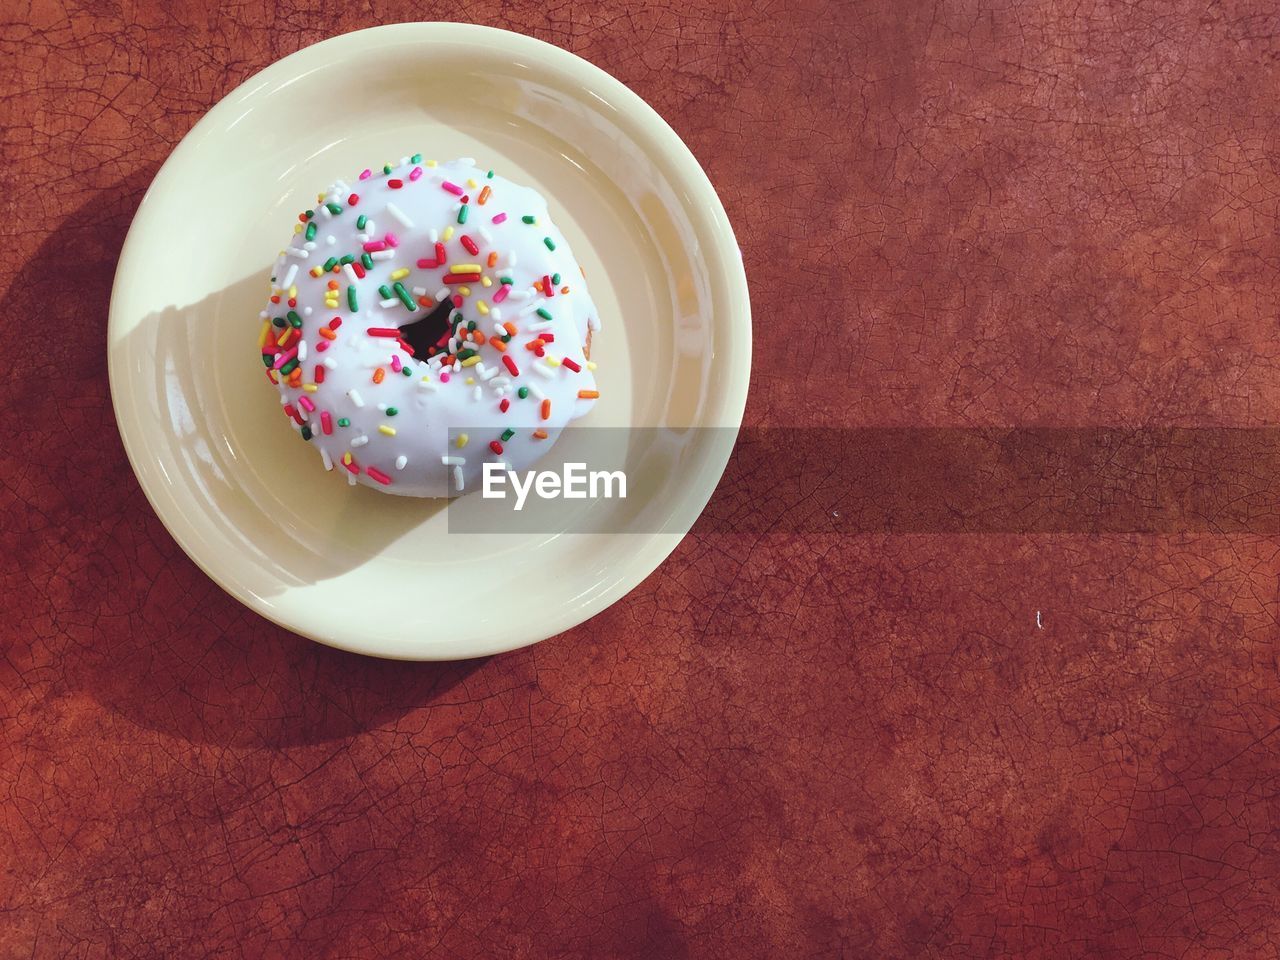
(657, 546)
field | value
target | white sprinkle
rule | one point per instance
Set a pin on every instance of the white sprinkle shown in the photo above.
(476, 393)
(530, 308)
(511, 258)
(499, 330)
(457, 477)
(382, 255)
(401, 462)
(369, 227)
(419, 291)
(330, 363)
(355, 397)
(360, 441)
(453, 461)
(388, 303)
(331, 239)
(302, 350)
(495, 312)
(400, 216)
(309, 245)
(324, 455)
(534, 389)
(486, 236)
(382, 406)
(351, 479)
(519, 295)
(442, 293)
(326, 213)
(350, 272)
(544, 370)
(297, 252)
(539, 327)
(487, 375)
(262, 314)
(306, 311)
(433, 236)
(289, 275)
(427, 385)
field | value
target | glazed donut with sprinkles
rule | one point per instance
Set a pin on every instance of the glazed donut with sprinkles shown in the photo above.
(421, 299)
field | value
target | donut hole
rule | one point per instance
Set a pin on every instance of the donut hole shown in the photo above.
(424, 335)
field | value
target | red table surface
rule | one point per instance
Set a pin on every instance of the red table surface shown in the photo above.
(784, 743)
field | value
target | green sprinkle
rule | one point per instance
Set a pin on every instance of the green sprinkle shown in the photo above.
(555, 279)
(295, 319)
(387, 168)
(528, 219)
(352, 302)
(550, 244)
(333, 208)
(466, 354)
(366, 261)
(544, 313)
(344, 422)
(309, 214)
(349, 258)
(405, 297)
(507, 434)
(385, 292)
(522, 393)
(462, 214)
(289, 367)
(471, 324)
(266, 360)
(279, 322)
(406, 370)
(361, 221)
(416, 158)
(506, 281)
(311, 231)
(306, 433)
(506, 338)
(489, 175)
(330, 264)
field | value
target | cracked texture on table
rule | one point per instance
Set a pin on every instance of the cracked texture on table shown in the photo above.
(780, 744)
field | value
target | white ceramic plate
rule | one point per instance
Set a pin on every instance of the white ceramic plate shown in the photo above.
(250, 503)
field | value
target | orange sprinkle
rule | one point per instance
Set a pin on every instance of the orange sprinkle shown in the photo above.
(498, 345)
(539, 434)
(477, 336)
(426, 302)
(510, 328)
(378, 375)
(484, 195)
(546, 409)
(588, 394)
(333, 284)
(537, 344)
(328, 334)
(537, 285)
(564, 289)
(493, 258)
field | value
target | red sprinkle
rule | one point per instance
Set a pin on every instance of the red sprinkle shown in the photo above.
(378, 475)
(358, 267)
(383, 331)
(353, 199)
(439, 253)
(394, 185)
(322, 346)
(405, 347)
(494, 445)
(319, 378)
(572, 365)
(547, 291)
(510, 364)
(547, 337)
(469, 244)
(335, 323)
(460, 278)
(504, 405)
(352, 466)
(457, 299)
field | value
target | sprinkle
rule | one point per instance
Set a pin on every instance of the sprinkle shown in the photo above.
(462, 213)
(469, 244)
(501, 294)
(366, 175)
(344, 422)
(326, 422)
(395, 184)
(458, 278)
(544, 313)
(496, 447)
(482, 307)
(453, 461)
(572, 365)
(546, 409)
(451, 188)
(508, 434)
(537, 393)
(360, 441)
(306, 404)
(500, 218)
(395, 362)
(522, 392)
(378, 375)
(529, 219)
(461, 441)
(457, 477)
(402, 461)
(543, 370)
(378, 475)
(465, 268)
(388, 430)
(366, 261)
(401, 217)
(352, 303)
(484, 195)
(588, 394)
(443, 293)
(414, 174)
(355, 398)
(328, 461)
(447, 235)
(333, 208)
(539, 434)
(510, 364)
(505, 405)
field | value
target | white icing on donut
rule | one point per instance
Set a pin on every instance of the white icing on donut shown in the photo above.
(340, 397)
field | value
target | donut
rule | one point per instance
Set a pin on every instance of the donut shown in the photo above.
(425, 320)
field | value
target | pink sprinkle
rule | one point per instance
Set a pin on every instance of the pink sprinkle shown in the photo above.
(305, 403)
(501, 294)
(415, 173)
(285, 358)
(374, 246)
(395, 362)
(444, 378)
(326, 422)
(428, 264)
(500, 218)
(378, 475)
(452, 188)
(457, 300)
(392, 240)
(366, 175)
(322, 346)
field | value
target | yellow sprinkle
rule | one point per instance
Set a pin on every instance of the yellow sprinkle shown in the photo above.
(482, 307)
(346, 457)
(447, 235)
(461, 441)
(400, 274)
(465, 291)
(315, 271)
(426, 379)
(310, 387)
(297, 228)
(283, 337)
(293, 292)
(464, 268)
(319, 198)
(552, 361)
(470, 362)
(431, 163)
(591, 364)
(266, 332)
(471, 183)
(389, 431)
(486, 282)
